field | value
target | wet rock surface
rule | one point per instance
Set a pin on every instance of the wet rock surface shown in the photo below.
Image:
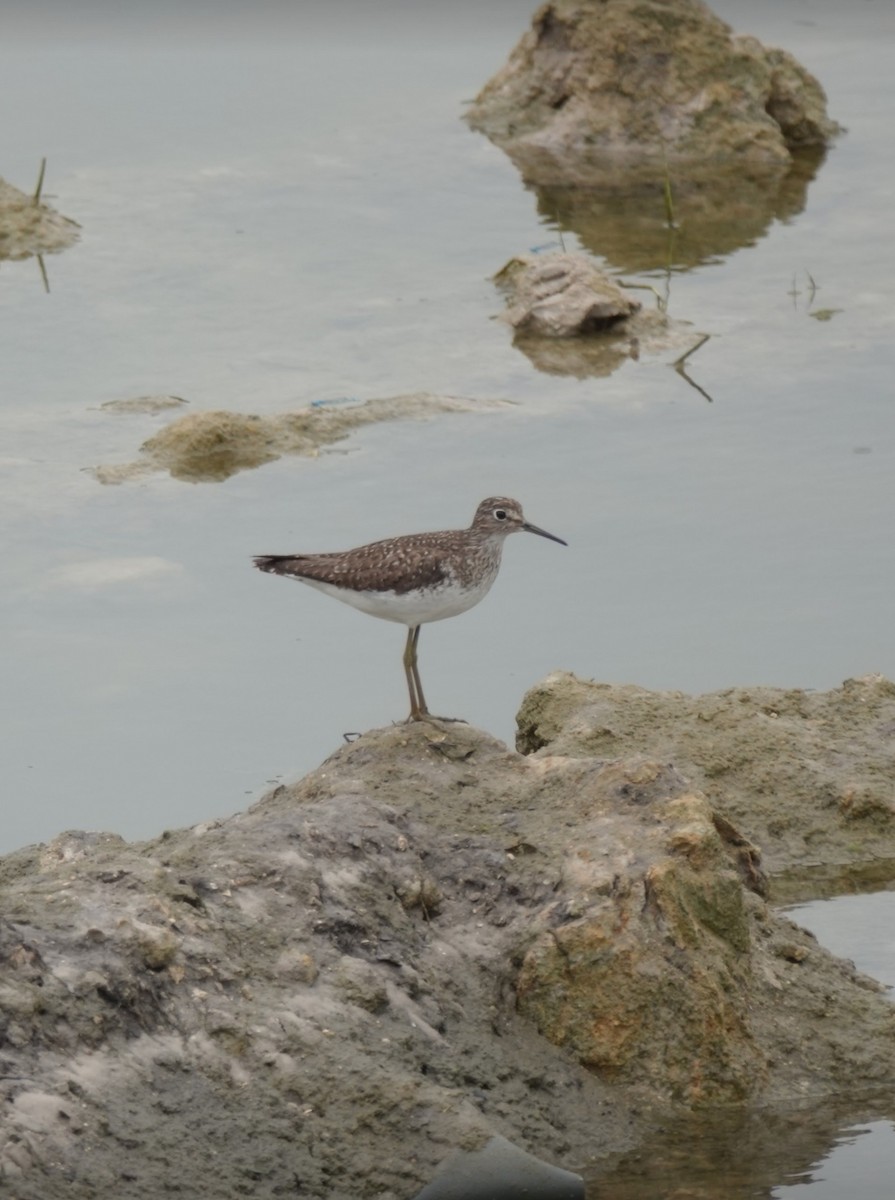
(633, 81)
(429, 942)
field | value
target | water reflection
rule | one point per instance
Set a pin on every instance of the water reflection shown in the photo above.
(583, 357)
(657, 217)
(859, 1166)
(743, 1156)
(651, 331)
(822, 881)
(717, 208)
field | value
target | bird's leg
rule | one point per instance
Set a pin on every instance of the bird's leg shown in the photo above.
(408, 672)
(421, 699)
(418, 708)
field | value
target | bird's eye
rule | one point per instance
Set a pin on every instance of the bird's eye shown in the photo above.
(500, 514)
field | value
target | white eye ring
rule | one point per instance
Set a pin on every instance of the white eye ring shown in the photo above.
(500, 514)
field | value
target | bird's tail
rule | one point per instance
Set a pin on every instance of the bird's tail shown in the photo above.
(294, 566)
(270, 562)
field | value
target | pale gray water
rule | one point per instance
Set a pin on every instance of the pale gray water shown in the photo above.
(859, 1165)
(292, 210)
(856, 927)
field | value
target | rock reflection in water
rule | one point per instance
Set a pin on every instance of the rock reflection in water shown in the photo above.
(718, 208)
(741, 1155)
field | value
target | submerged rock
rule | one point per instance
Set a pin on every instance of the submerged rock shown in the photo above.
(30, 227)
(144, 404)
(429, 943)
(634, 81)
(207, 447)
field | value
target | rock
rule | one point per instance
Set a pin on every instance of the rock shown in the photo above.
(805, 775)
(362, 983)
(429, 943)
(636, 81)
(562, 296)
(571, 318)
(297, 965)
(653, 133)
(601, 979)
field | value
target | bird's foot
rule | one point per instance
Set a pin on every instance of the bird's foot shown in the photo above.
(427, 716)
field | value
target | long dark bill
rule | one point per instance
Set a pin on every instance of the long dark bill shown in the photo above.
(542, 533)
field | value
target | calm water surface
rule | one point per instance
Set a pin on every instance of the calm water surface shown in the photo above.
(801, 1154)
(277, 210)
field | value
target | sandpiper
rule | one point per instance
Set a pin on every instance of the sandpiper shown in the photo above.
(414, 579)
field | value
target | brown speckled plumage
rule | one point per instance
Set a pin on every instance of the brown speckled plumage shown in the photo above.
(399, 565)
(414, 579)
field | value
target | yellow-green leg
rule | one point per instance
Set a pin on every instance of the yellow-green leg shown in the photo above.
(418, 709)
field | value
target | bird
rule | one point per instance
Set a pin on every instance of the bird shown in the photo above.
(415, 578)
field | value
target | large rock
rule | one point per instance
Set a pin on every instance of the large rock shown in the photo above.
(600, 82)
(429, 943)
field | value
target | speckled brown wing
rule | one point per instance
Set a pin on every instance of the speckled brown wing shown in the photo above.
(398, 565)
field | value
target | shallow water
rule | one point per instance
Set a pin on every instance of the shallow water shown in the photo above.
(805, 1153)
(858, 927)
(291, 210)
